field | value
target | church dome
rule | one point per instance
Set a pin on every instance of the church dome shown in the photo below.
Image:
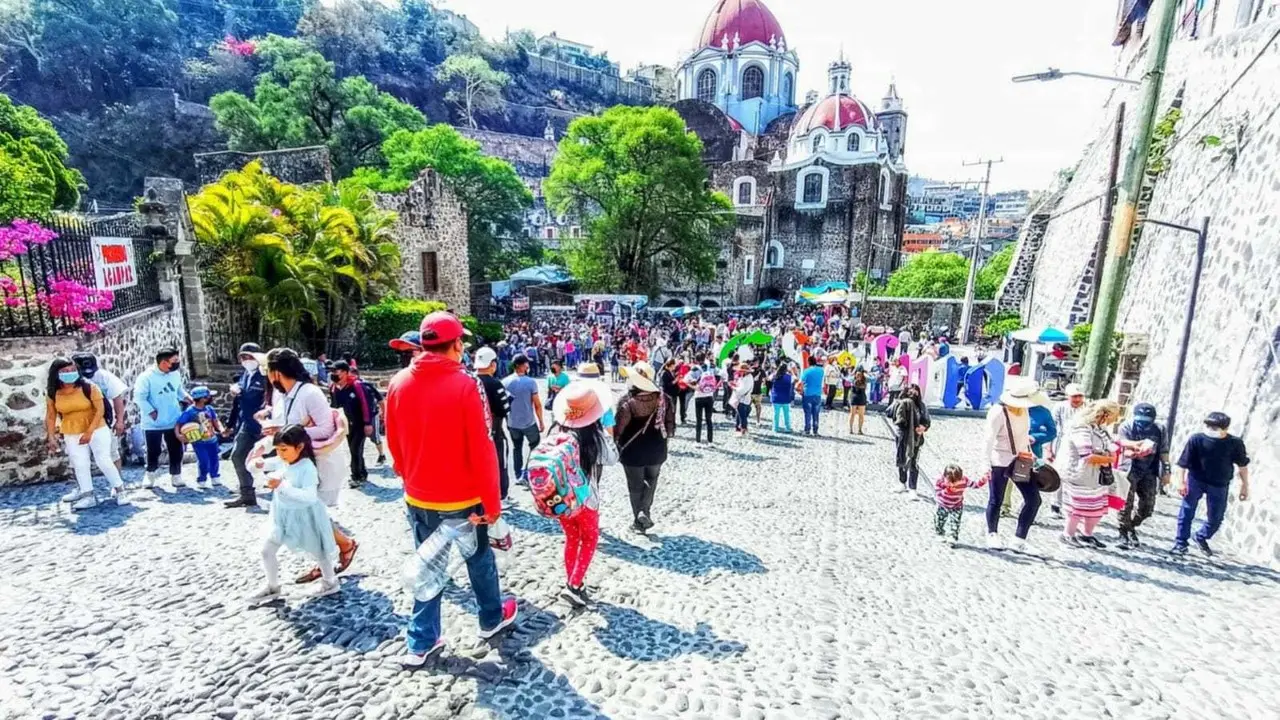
(748, 20)
(835, 112)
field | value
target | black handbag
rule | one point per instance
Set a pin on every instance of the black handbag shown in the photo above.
(1105, 476)
(1023, 463)
(1046, 477)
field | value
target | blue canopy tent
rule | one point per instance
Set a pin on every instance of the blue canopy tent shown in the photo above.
(541, 275)
(769, 305)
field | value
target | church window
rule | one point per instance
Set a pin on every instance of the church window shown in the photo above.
(854, 142)
(752, 83)
(774, 255)
(788, 89)
(886, 188)
(707, 86)
(748, 270)
(813, 188)
(818, 140)
(746, 191)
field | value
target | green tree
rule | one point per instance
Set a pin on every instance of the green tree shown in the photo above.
(493, 194)
(638, 174)
(305, 259)
(1001, 323)
(299, 101)
(476, 86)
(991, 275)
(34, 177)
(930, 274)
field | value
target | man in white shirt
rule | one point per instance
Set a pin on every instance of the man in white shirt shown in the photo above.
(904, 341)
(113, 391)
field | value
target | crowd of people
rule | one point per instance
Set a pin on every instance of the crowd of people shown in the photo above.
(450, 414)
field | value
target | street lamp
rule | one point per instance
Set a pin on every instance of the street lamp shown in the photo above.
(1056, 74)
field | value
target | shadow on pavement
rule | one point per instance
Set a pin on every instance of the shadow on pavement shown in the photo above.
(684, 554)
(735, 455)
(355, 619)
(631, 635)
(1220, 570)
(381, 493)
(1090, 566)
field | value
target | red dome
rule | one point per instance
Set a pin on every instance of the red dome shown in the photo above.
(850, 109)
(750, 20)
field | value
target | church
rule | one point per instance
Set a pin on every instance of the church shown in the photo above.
(818, 188)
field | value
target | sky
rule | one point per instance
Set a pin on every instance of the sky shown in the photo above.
(951, 59)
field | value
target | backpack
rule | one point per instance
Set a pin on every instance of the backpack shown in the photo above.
(556, 480)
(708, 382)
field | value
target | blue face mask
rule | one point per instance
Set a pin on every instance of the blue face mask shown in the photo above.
(1141, 422)
(69, 377)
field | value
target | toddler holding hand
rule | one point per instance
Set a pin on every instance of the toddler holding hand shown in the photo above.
(949, 492)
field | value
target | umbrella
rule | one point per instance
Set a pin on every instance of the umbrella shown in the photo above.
(1045, 334)
(755, 337)
(834, 297)
(684, 312)
(769, 305)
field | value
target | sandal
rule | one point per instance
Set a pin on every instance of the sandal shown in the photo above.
(309, 576)
(345, 558)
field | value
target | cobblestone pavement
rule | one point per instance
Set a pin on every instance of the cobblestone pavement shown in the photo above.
(783, 580)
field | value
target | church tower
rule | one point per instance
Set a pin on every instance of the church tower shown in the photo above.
(893, 123)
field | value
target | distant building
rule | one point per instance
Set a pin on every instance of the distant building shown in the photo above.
(575, 53)
(660, 77)
(917, 241)
(1012, 205)
(460, 23)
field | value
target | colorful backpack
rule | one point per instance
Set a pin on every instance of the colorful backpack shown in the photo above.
(708, 383)
(556, 480)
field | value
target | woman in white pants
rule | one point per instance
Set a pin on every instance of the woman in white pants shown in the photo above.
(75, 408)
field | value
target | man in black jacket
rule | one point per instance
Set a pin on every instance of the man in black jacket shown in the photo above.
(352, 397)
(486, 367)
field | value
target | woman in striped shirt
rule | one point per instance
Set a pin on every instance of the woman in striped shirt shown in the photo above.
(1084, 461)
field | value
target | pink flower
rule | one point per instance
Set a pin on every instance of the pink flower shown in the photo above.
(13, 302)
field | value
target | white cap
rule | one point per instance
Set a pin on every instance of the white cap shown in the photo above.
(484, 358)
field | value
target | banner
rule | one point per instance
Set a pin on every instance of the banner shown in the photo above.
(114, 267)
(519, 303)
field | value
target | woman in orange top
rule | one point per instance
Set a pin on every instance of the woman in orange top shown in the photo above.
(76, 410)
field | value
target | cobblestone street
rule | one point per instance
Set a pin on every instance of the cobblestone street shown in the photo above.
(783, 580)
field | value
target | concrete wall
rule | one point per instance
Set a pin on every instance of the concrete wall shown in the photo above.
(1233, 362)
(431, 219)
(126, 346)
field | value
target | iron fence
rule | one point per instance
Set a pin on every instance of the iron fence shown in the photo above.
(33, 281)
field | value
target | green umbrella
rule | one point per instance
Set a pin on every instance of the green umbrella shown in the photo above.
(755, 337)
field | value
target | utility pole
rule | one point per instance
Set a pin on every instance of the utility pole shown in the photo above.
(1098, 356)
(966, 315)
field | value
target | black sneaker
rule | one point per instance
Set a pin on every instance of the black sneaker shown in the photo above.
(637, 528)
(1133, 538)
(1094, 542)
(1204, 547)
(1070, 541)
(576, 596)
(1125, 542)
(1179, 549)
(239, 503)
(643, 521)
(1057, 511)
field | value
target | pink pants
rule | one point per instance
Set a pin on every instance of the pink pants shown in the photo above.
(1073, 520)
(581, 533)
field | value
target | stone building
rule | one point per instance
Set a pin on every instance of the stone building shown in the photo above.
(819, 190)
(431, 231)
(298, 166)
(1222, 70)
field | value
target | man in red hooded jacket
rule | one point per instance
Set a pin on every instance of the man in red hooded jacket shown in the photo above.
(438, 434)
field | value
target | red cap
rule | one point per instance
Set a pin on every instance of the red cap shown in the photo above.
(441, 327)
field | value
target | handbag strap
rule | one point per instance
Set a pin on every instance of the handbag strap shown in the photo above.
(643, 430)
(1008, 424)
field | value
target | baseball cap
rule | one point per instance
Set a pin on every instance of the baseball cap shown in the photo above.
(484, 358)
(87, 363)
(251, 349)
(200, 391)
(407, 342)
(1145, 410)
(342, 365)
(441, 327)
(1073, 389)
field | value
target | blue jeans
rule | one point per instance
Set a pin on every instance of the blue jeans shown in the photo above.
(424, 620)
(520, 436)
(781, 411)
(1215, 496)
(744, 415)
(207, 459)
(812, 405)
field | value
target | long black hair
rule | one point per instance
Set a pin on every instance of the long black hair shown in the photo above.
(286, 362)
(54, 382)
(588, 446)
(296, 436)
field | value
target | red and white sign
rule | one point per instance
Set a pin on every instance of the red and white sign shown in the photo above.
(519, 303)
(114, 265)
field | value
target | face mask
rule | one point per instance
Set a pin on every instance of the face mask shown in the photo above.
(278, 386)
(175, 366)
(249, 365)
(68, 377)
(1141, 422)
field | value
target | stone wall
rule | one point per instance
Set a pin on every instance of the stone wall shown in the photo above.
(126, 346)
(1017, 282)
(299, 166)
(920, 314)
(1233, 361)
(431, 219)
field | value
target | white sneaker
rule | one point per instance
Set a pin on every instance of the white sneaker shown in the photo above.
(177, 481)
(1022, 546)
(72, 496)
(410, 660)
(899, 489)
(994, 542)
(118, 493)
(202, 484)
(85, 502)
(264, 595)
(325, 589)
(148, 481)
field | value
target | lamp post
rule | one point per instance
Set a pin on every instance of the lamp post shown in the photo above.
(1056, 74)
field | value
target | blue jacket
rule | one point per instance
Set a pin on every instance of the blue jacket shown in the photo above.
(253, 393)
(783, 390)
(1043, 429)
(158, 392)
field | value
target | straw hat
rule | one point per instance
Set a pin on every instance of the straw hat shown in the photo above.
(578, 405)
(1023, 392)
(641, 377)
(588, 370)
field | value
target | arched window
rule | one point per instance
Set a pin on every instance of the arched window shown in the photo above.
(788, 89)
(886, 188)
(707, 86)
(818, 141)
(752, 83)
(774, 255)
(813, 188)
(744, 194)
(854, 142)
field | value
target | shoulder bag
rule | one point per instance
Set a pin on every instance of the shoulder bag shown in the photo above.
(1022, 462)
